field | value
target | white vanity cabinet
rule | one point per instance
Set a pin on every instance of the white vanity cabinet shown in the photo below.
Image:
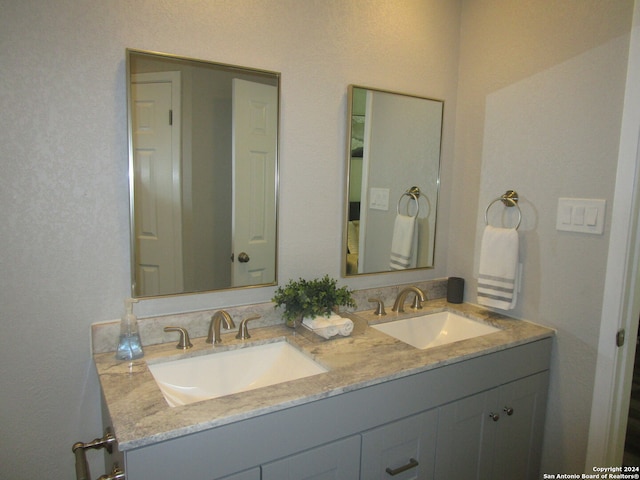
(431, 424)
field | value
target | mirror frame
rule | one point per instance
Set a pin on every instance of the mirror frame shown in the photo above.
(344, 250)
(131, 168)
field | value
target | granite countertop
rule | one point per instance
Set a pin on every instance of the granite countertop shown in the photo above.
(140, 415)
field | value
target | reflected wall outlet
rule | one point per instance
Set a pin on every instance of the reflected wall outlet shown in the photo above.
(379, 199)
(584, 215)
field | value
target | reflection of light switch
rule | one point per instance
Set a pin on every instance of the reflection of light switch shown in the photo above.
(379, 198)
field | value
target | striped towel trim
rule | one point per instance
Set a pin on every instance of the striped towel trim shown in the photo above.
(496, 288)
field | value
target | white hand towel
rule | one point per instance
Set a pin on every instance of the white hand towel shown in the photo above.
(322, 326)
(498, 268)
(402, 244)
(344, 325)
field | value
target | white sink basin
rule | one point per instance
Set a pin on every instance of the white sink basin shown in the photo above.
(434, 329)
(214, 375)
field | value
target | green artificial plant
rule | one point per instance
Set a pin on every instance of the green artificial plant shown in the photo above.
(311, 298)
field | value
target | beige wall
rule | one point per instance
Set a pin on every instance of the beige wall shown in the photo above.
(64, 255)
(540, 98)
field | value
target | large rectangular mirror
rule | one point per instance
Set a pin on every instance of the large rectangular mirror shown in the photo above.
(203, 154)
(393, 170)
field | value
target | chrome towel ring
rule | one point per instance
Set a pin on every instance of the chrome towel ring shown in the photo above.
(413, 192)
(509, 199)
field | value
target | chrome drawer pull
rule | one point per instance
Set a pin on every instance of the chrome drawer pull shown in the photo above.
(413, 463)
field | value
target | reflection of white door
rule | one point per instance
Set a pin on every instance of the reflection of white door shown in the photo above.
(155, 118)
(255, 119)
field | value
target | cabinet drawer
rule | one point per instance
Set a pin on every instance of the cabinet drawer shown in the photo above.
(339, 460)
(401, 450)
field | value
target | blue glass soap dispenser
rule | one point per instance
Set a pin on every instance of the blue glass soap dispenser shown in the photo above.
(129, 345)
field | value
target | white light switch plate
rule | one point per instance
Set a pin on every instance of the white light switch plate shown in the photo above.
(584, 215)
(379, 199)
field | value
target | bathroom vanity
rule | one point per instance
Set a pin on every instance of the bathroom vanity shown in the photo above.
(384, 409)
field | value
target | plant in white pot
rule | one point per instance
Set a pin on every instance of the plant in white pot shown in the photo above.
(311, 298)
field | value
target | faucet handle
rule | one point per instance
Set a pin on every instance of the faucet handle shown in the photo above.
(379, 308)
(417, 304)
(184, 343)
(243, 331)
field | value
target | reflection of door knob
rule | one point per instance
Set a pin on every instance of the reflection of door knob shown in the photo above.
(243, 257)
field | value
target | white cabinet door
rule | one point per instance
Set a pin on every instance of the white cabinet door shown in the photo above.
(464, 431)
(494, 434)
(339, 460)
(401, 450)
(518, 445)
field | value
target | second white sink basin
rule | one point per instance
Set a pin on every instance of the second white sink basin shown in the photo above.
(216, 374)
(434, 329)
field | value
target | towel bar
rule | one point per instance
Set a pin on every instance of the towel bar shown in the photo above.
(509, 199)
(82, 467)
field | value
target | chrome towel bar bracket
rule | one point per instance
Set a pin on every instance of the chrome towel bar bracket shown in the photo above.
(509, 199)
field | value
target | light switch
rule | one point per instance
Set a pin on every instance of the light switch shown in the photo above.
(584, 215)
(578, 215)
(564, 213)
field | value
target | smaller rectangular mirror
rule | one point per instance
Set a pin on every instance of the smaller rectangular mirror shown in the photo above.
(393, 167)
(203, 153)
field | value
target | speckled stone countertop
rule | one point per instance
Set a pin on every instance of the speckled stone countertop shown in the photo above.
(140, 415)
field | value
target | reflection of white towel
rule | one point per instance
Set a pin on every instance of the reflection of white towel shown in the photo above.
(498, 268)
(402, 244)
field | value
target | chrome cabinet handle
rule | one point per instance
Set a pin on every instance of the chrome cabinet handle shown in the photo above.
(413, 463)
(508, 410)
(494, 416)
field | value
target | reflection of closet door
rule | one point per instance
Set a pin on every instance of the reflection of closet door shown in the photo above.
(157, 202)
(255, 122)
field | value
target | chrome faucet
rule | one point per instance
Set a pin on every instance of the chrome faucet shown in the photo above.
(214, 326)
(398, 306)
